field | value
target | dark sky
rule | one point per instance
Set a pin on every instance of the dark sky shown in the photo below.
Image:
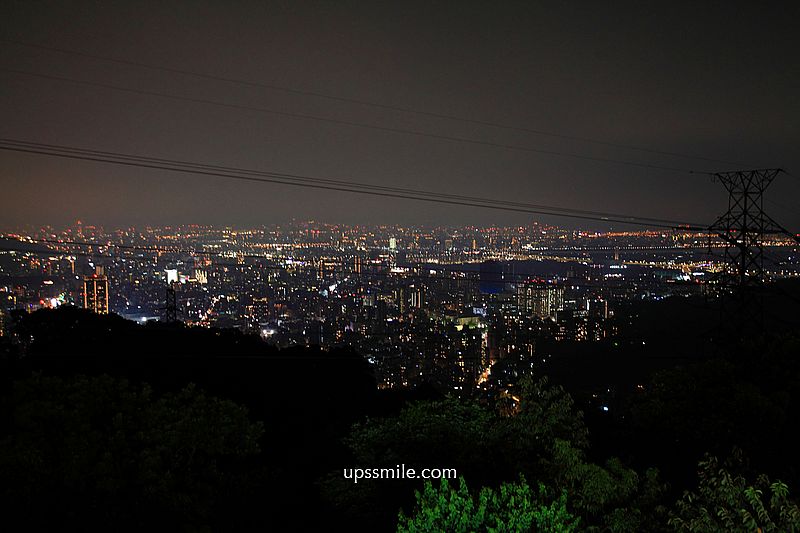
(715, 79)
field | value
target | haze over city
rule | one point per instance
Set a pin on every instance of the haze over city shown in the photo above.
(683, 78)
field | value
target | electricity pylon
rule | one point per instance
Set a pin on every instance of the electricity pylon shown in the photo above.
(743, 229)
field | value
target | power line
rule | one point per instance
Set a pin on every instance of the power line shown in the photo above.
(192, 168)
(338, 182)
(304, 116)
(377, 105)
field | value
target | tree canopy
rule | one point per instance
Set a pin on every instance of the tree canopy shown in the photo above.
(97, 452)
(513, 507)
(728, 502)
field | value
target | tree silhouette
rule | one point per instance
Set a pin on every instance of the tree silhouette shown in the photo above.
(727, 502)
(99, 453)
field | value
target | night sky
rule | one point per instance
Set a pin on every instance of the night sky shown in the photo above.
(714, 79)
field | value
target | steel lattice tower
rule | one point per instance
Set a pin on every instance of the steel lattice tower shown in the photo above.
(171, 309)
(745, 224)
(743, 229)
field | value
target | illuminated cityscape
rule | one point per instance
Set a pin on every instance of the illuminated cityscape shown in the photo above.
(415, 267)
(424, 305)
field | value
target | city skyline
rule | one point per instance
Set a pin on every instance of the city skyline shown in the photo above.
(263, 261)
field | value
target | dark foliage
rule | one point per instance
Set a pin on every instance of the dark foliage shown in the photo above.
(98, 427)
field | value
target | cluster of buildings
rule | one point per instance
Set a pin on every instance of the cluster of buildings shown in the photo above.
(437, 305)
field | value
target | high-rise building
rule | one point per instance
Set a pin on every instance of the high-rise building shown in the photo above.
(258, 312)
(401, 299)
(95, 291)
(368, 300)
(540, 299)
(201, 276)
(417, 297)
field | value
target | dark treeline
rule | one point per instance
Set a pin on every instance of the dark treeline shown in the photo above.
(271, 431)
(306, 398)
